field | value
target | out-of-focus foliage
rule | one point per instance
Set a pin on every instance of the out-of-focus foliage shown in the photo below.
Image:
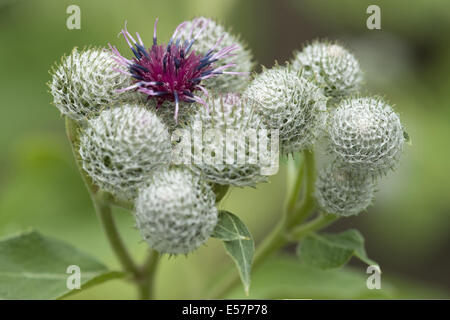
(34, 267)
(408, 61)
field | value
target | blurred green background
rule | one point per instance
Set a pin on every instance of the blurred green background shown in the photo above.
(408, 61)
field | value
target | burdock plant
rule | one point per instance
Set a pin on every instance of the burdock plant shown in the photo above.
(125, 110)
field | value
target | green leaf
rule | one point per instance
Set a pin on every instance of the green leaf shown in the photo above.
(294, 164)
(326, 251)
(241, 248)
(282, 277)
(226, 227)
(34, 267)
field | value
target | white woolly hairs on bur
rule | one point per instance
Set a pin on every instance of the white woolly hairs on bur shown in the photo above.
(290, 103)
(85, 81)
(331, 66)
(366, 134)
(227, 114)
(343, 191)
(123, 146)
(176, 212)
(207, 39)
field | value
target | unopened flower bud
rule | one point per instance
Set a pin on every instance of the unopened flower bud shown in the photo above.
(85, 82)
(331, 66)
(366, 134)
(343, 191)
(176, 212)
(290, 103)
(123, 146)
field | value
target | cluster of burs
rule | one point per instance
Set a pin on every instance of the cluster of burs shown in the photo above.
(125, 147)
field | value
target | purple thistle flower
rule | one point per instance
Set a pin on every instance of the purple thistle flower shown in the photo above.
(172, 72)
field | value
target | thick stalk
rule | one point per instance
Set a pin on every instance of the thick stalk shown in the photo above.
(300, 213)
(148, 272)
(297, 186)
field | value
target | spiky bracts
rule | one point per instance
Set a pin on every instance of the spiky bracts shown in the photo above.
(290, 103)
(366, 134)
(122, 147)
(176, 212)
(85, 82)
(226, 140)
(343, 191)
(174, 71)
(331, 66)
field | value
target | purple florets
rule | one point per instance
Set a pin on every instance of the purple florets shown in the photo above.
(172, 72)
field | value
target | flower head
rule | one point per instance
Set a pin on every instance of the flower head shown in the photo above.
(85, 82)
(173, 71)
(366, 134)
(290, 103)
(176, 212)
(331, 66)
(226, 147)
(344, 191)
(122, 147)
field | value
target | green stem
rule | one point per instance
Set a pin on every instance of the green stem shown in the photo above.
(322, 221)
(148, 271)
(121, 204)
(102, 206)
(143, 277)
(296, 189)
(104, 213)
(272, 243)
(308, 203)
(289, 220)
